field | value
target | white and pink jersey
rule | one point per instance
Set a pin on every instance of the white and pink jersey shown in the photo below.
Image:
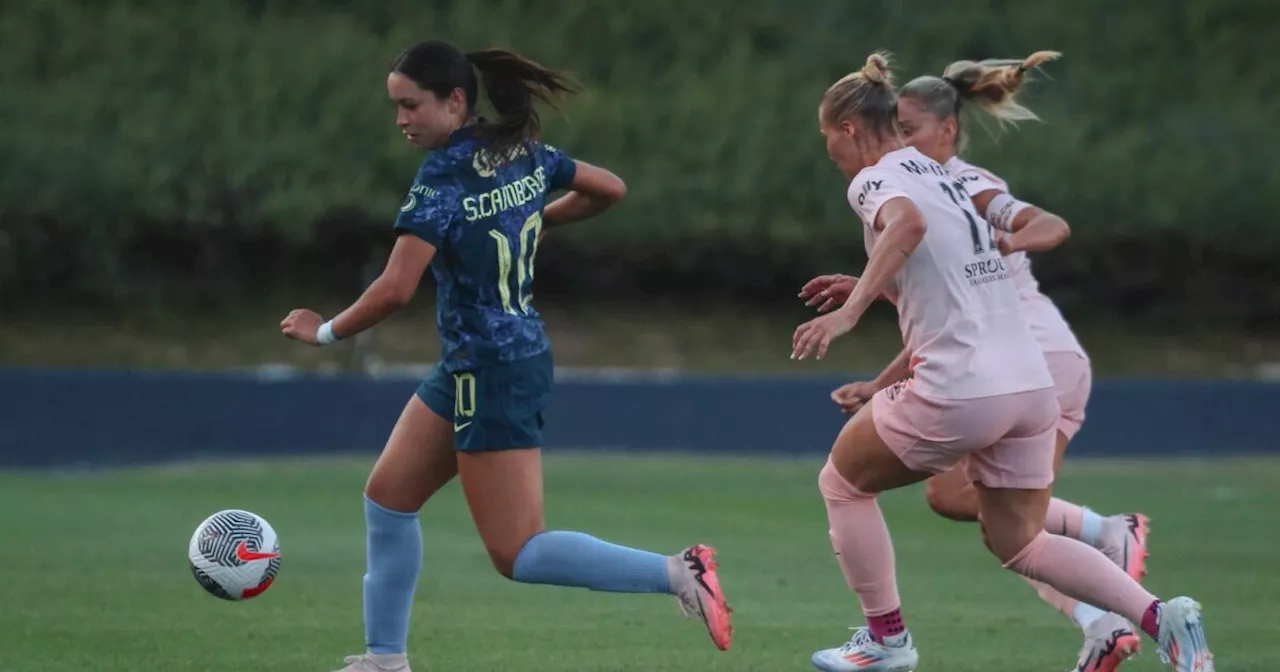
(1047, 324)
(959, 312)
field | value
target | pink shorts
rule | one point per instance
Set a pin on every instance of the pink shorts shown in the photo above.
(1009, 439)
(1072, 379)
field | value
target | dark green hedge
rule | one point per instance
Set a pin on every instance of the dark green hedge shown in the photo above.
(164, 152)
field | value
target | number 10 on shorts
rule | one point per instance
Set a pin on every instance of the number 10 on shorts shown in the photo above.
(464, 400)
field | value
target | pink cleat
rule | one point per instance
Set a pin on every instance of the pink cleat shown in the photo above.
(1124, 540)
(1108, 642)
(697, 588)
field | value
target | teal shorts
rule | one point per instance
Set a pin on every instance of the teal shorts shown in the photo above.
(493, 408)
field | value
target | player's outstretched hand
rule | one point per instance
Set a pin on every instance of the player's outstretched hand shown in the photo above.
(302, 325)
(852, 396)
(820, 331)
(828, 290)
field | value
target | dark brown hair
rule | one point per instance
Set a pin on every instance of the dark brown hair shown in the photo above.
(513, 84)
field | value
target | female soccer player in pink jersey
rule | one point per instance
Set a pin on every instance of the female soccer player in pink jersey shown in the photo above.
(929, 115)
(980, 389)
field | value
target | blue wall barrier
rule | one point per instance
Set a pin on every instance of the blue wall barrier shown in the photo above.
(100, 418)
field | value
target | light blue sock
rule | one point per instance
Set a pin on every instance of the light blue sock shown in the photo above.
(394, 561)
(580, 560)
(1091, 528)
(1086, 615)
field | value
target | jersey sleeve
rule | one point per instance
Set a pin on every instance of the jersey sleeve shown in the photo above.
(977, 180)
(1003, 208)
(560, 167)
(870, 190)
(428, 212)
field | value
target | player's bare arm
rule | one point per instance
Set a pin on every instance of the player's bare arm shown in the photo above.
(904, 228)
(593, 190)
(1028, 228)
(393, 289)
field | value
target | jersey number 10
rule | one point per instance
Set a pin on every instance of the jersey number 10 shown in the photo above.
(960, 197)
(523, 262)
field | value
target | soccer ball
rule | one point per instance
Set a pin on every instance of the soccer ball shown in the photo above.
(234, 555)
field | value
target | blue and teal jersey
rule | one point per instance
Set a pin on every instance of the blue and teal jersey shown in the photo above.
(484, 216)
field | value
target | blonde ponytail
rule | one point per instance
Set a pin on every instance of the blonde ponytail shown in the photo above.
(992, 84)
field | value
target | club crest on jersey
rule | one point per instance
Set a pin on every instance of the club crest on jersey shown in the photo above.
(486, 164)
(411, 199)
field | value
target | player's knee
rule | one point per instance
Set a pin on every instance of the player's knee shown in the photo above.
(503, 559)
(1026, 557)
(504, 552)
(986, 537)
(947, 502)
(384, 493)
(384, 487)
(835, 487)
(1007, 542)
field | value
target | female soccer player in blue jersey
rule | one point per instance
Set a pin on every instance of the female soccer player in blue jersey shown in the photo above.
(475, 214)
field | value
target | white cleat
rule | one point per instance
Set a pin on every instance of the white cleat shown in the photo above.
(1182, 641)
(862, 653)
(371, 662)
(1108, 642)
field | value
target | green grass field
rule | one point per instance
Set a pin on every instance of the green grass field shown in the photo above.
(95, 576)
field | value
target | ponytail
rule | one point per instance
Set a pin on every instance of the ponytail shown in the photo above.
(992, 84)
(512, 82)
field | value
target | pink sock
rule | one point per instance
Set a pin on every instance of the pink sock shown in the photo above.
(1151, 621)
(1056, 599)
(1064, 518)
(888, 625)
(865, 552)
(1082, 572)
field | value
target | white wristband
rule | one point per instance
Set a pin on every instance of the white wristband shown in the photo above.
(325, 335)
(1003, 209)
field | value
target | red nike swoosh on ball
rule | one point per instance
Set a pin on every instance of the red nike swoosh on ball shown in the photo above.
(246, 555)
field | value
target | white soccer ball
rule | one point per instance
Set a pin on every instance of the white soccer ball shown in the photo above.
(234, 555)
